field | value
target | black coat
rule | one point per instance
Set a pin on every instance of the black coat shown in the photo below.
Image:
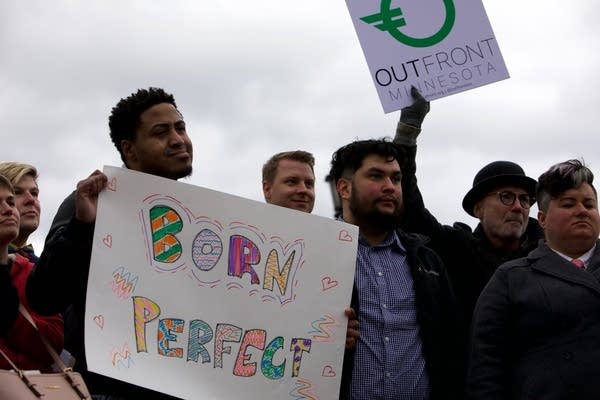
(438, 317)
(468, 256)
(536, 331)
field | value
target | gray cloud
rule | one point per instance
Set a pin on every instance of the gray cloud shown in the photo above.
(256, 78)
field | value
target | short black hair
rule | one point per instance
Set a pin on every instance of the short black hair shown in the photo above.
(349, 158)
(561, 177)
(124, 119)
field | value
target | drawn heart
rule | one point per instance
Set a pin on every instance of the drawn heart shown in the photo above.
(107, 240)
(99, 320)
(328, 372)
(328, 283)
(344, 236)
(112, 185)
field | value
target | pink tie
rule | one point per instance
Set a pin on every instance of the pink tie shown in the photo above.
(579, 263)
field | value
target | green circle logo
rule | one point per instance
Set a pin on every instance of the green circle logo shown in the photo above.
(390, 19)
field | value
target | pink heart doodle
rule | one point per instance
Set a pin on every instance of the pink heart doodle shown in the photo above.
(107, 240)
(328, 283)
(344, 236)
(328, 372)
(99, 320)
(112, 185)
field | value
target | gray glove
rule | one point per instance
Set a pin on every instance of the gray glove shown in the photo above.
(411, 118)
(415, 113)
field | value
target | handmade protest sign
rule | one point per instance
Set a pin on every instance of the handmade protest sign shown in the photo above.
(441, 47)
(201, 294)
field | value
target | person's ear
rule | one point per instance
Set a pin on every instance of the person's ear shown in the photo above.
(542, 219)
(344, 188)
(128, 151)
(266, 191)
(478, 209)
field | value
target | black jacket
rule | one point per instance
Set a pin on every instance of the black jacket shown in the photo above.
(439, 322)
(536, 331)
(59, 284)
(468, 256)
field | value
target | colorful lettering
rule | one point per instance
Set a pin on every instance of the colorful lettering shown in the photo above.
(273, 273)
(225, 333)
(166, 327)
(299, 346)
(255, 338)
(144, 311)
(206, 249)
(200, 334)
(268, 369)
(243, 254)
(165, 223)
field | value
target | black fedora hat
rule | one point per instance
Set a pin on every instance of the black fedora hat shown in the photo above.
(494, 175)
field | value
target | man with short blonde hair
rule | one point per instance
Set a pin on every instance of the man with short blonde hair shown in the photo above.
(289, 180)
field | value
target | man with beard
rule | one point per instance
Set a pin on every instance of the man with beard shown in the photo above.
(405, 306)
(150, 134)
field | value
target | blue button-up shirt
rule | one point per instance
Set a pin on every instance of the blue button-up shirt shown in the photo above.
(389, 362)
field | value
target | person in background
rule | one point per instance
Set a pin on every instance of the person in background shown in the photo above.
(19, 340)
(537, 323)
(405, 306)
(23, 178)
(500, 198)
(289, 181)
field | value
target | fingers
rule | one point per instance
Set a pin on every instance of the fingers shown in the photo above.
(419, 99)
(93, 184)
(350, 313)
(352, 333)
(86, 199)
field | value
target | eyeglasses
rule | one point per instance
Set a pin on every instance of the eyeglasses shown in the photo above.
(508, 198)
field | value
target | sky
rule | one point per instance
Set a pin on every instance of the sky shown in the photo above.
(253, 78)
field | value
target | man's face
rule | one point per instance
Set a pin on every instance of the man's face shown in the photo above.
(503, 223)
(161, 146)
(375, 197)
(571, 222)
(28, 204)
(293, 186)
(9, 217)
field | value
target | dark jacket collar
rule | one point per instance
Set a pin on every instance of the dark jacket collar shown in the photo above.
(546, 260)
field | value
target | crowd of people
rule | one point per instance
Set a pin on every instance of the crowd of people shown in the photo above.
(509, 310)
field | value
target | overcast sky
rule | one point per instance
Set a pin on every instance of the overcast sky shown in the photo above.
(257, 77)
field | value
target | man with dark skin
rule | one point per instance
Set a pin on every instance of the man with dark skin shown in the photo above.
(150, 134)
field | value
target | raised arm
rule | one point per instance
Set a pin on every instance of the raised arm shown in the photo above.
(60, 277)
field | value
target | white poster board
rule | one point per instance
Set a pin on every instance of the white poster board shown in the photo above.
(441, 47)
(205, 295)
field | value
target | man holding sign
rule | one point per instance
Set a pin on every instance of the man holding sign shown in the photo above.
(405, 306)
(501, 198)
(149, 132)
